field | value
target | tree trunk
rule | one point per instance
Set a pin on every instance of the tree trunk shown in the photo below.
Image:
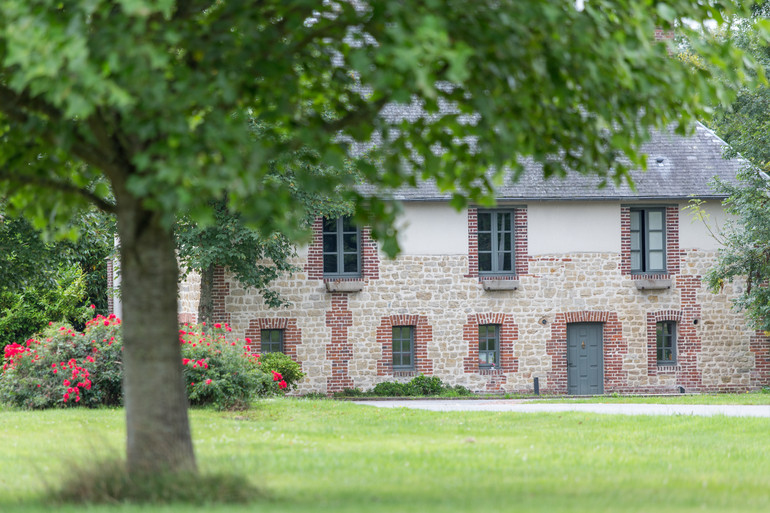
(158, 430)
(206, 303)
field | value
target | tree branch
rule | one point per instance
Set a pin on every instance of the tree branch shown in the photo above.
(66, 187)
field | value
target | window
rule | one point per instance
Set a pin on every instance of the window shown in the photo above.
(403, 347)
(341, 248)
(666, 338)
(272, 341)
(648, 240)
(489, 345)
(495, 242)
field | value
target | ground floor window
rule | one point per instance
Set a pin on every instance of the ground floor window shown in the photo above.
(666, 342)
(403, 347)
(489, 345)
(272, 341)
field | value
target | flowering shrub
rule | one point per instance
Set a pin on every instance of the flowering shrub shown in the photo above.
(63, 367)
(279, 364)
(220, 372)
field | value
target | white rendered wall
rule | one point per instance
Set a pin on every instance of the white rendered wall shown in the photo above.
(694, 233)
(433, 229)
(573, 227)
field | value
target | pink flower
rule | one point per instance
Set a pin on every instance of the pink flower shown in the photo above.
(208, 381)
(106, 323)
(55, 371)
(192, 384)
(77, 399)
(93, 307)
(66, 382)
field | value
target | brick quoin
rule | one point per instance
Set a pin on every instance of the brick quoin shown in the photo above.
(220, 293)
(760, 346)
(370, 258)
(509, 333)
(673, 253)
(292, 335)
(339, 351)
(521, 244)
(614, 348)
(423, 337)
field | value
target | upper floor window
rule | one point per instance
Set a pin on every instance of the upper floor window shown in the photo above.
(496, 242)
(489, 345)
(648, 240)
(665, 333)
(403, 347)
(341, 248)
(271, 341)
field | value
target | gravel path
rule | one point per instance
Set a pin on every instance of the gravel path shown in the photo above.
(705, 410)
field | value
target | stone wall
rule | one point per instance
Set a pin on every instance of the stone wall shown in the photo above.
(344, 343)
(189, 297)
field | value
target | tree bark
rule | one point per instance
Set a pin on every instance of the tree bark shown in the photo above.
(206, 303)
(158, 429)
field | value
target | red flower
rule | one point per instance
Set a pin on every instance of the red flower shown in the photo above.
(185, 361)
(277, 376)
(55, 371)
(66, 382)
(192, 384)
(248, 340)
(217, 325)
(77, 399)
(66, 396)
(282, 385)
(106, 323)
(208, 381)
(93, 307)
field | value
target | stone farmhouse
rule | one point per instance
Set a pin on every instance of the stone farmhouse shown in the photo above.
(589, 290)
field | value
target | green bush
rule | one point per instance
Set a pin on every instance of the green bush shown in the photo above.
(26, 312)
(390, 389)
(419, 386)
(290, 371)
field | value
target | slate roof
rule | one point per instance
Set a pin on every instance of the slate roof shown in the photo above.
(678, 167)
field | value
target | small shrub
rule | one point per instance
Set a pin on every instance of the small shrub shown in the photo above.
(390, 389)
(290, 371)
(350, 392)
(315, 395)
(426, 385)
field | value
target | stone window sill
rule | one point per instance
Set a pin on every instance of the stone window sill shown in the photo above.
(492, 284)
(652, 283)
(342, 285)
(404, 373)
(668, 369)
(491, 372)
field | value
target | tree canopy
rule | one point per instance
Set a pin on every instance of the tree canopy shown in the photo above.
(155, 98)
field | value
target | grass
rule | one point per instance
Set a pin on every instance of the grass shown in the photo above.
(760, 398)
(339, 457)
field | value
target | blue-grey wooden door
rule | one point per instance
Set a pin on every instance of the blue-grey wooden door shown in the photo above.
(585, 365)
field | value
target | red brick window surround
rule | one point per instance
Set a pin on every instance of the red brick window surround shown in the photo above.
(520, 249)
(673, 255)
(422, 338)
(508, 334)
(292, 335)
(370, 260)
(653, 318)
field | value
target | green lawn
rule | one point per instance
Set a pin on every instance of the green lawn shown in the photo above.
(341, 457)
(748, 398)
